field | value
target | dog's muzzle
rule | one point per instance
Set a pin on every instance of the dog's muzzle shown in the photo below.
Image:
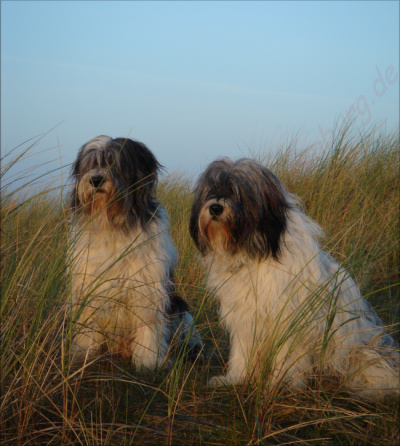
(97, 180)
(216, 209)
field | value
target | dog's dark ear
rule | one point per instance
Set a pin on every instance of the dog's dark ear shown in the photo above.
(273, 221)
(140, 160)
(76, 165)
(194, 223)
(148, 162)
(269, 217)
(75, 170)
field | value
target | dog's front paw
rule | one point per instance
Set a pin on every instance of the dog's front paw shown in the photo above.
(222, 380)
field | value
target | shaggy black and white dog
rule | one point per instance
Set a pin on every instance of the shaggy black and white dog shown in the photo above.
(123, 258)
(290, 309)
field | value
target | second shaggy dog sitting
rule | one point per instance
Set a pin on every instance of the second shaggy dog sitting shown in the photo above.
(289, 307)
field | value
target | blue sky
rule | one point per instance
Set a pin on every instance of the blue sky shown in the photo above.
(193, 80)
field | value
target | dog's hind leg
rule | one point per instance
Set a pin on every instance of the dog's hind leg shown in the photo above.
(182, 329)
(371, 375)
(86, 344)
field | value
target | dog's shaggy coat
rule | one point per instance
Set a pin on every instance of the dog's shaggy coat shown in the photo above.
(290, 309)
(122, 257)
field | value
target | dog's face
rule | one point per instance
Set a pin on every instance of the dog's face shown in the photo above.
(115, 179)
(239, 206)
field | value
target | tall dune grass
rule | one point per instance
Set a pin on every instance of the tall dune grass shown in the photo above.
(351, 189)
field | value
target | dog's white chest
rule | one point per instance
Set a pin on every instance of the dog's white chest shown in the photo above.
(115, 263)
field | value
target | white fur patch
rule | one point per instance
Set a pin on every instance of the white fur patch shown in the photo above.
(118, 290)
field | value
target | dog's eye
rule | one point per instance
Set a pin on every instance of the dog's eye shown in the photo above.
(109, 159)
(228, 191)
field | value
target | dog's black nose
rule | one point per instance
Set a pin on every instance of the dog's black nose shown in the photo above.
(216, 209)
(96, 180)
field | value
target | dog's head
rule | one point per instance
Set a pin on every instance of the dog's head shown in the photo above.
(115, 179)
(239, 207)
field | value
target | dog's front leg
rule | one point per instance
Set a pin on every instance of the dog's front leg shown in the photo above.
(87, 343)
(237, 365)
(149, 347)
